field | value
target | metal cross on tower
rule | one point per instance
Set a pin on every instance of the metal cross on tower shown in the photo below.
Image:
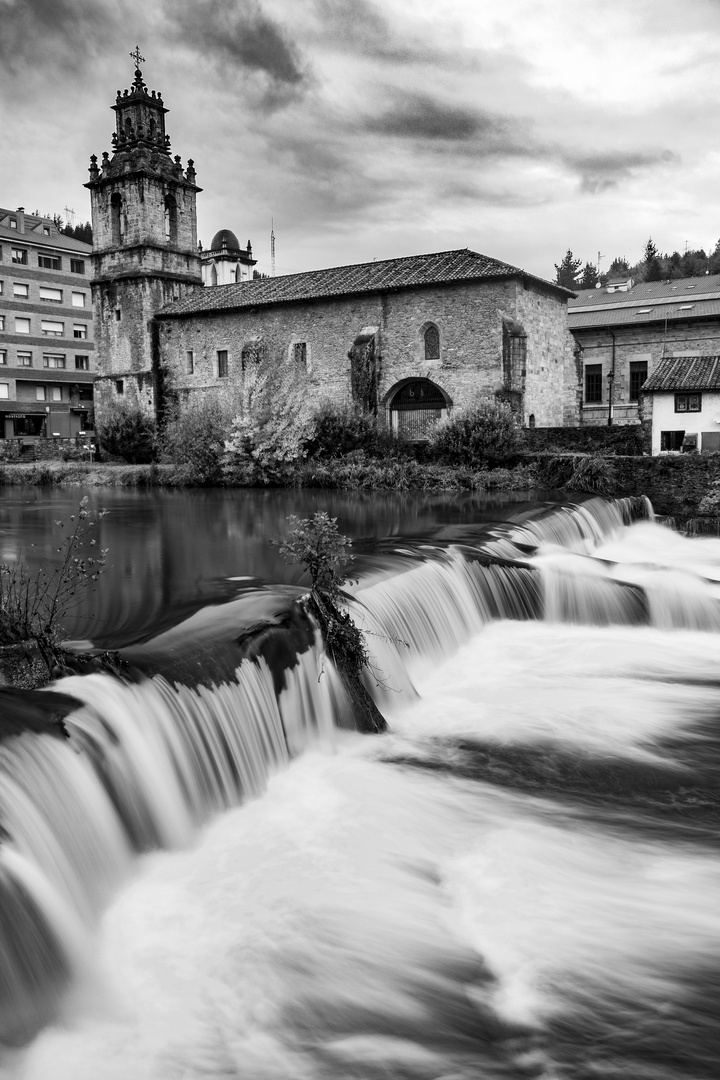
(137, 57)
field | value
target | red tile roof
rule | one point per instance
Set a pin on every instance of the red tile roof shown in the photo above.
(417, 270)
(685, 373)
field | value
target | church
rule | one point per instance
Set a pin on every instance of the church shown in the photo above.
(407, 338)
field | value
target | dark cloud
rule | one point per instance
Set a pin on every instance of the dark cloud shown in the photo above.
(40, 39)
(412, 115)
(238, 34)
(600, 171)
(360, 28)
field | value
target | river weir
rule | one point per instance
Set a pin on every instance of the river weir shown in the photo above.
(206, 872)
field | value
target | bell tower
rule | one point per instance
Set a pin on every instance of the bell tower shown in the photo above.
(145, 251)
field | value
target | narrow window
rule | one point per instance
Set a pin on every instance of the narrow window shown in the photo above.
(300, 355)
(119, 386)
(432, 343)
(593, 384)
(80, 330)
(3, 356)
(57, 393)
(190, 361)
(116, 217)
(638, 375)
(117, 314)
(82, 363)
(2, 322)
(4, 390)
(40, 394)
(170, 219)
(688, 403)
(78, 299)
(222, 363)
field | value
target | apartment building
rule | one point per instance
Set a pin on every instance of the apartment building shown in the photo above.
(47, 364)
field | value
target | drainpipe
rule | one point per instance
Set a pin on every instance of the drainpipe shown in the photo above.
(611, 380)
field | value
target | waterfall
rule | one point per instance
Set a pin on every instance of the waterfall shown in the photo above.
(148, 762)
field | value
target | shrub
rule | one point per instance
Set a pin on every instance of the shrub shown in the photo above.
(275, 425)
(480, 434)
(195, 438)
(125, 431)
(340, 429)
(35, 605)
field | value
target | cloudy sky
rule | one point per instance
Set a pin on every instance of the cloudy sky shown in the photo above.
(368, 129)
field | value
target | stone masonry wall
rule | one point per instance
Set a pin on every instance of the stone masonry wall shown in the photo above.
(468, 316)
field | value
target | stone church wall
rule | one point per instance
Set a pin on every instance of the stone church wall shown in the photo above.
(469, 318)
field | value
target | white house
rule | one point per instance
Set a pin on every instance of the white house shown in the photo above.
(682, 396)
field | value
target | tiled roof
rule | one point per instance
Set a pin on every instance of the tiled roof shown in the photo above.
(434, 269)
(651, 301)
(34, 236)
(685, 373)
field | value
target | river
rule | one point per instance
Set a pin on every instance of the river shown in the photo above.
(214, 877)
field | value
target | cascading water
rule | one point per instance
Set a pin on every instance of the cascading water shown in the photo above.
(520, 879)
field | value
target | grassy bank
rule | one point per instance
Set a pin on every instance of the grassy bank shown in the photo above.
(391, 475)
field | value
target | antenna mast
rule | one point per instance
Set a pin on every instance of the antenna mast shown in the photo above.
(272, 247)
(70, 215)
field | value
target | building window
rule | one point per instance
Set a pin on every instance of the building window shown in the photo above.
(78, 299)
(21, 289)
(190, 361)
(53, 360)
(2, 287)
(432, 343)
(688, 402)
(13, 223)
(4, 390)
(19, 255)
(54, 295)
(3, 356)
(46, 230)
(300, 355)
(24, 359)
(82, 363)
(593, 384)
(116, 217)
(222, 363)
(171, 219)
(40, 393)
(51, 329)
(2, 322)
(80, 331)
(22, 326)
(119, 386)
(671, 440)
(77, 266)
(638, 375)
(50, 262)
(117, 314)
(56, 393)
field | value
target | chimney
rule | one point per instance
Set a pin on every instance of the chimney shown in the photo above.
(21, 219)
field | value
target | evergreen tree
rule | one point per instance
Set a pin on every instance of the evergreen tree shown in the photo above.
(714, 260)
(618, 268)
(589, 278)
(566, 273)
(653, 266)
(694, 263)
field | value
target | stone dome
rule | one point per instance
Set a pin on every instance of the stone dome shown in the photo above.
(224, 239)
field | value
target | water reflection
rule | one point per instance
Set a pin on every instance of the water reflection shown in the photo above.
(171, 552)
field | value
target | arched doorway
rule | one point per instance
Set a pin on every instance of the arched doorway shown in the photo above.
(415, 406)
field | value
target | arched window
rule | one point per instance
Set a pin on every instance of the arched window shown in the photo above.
(432, 343)
(116, 217)
(531, 420)
(171, 219)
(213, 274)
